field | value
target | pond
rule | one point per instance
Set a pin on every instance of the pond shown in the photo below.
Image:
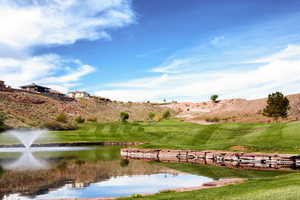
(85, 172)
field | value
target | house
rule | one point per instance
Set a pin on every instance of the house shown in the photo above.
(78, 94)
(2, 84)
(36, 88)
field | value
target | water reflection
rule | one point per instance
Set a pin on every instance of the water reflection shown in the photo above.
(98, 172)
(27, 161)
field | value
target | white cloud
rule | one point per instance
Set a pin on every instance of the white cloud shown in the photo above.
(42, 69)
(34, 22)
(27, 24)
(277, 72)
(175, 66)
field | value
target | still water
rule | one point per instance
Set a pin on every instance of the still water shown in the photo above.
(84, 173)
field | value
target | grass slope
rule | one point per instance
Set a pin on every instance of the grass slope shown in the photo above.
(258, 137)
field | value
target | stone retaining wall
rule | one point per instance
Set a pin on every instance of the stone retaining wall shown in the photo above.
(227, 159)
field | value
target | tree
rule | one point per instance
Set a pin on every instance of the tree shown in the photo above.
(214, 97)
(124, 116)
(151, 115)
(166, 114)
(277, 106)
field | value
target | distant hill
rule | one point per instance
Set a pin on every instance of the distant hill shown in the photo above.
(231, 110)
(27, 109)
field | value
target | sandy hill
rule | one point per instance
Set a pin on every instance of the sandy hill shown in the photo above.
(232, 110)
(26, 109)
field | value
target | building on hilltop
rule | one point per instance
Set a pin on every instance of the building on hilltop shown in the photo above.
(2, 84)
(78, 94)
(36, 88)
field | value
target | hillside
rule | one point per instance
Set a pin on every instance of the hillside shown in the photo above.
(231, 110)
(26, 109)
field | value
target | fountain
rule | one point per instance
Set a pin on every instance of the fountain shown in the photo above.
(27, 161)
(27, 137)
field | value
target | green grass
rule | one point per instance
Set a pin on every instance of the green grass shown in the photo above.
(258, 137)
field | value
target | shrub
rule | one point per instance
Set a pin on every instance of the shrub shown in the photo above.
(62, 117)
(136, 196)
(151, 115)
(277, 106)
(57, 126)
(124, 116)
(2, 119)
(79, 120)
(62, 165)
(214, 98)
(158, 118)
(124, 163)
(92, 119)
(214, 119)
(166, 114)
(79, 162)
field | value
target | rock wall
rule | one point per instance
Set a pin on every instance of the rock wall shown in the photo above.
(241, 160)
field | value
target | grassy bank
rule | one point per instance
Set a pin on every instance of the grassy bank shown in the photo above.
(259, 137)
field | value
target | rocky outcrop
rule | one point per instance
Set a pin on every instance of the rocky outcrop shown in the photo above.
(241, 160)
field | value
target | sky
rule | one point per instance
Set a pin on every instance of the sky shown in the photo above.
(142, 50)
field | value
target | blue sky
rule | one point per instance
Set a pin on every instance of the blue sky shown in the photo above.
(143, 50)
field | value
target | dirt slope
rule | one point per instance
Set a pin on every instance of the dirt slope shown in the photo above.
(24, 109)
(232, 110)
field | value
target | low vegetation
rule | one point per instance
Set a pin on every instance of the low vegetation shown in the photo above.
(62, 117)
(124, 116)
(2, 119)
(58, 126)
(79, 120)
(166, 114)
(151, 115)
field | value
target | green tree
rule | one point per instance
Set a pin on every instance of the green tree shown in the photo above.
(124, 116)
(166, 114)
(214, 97)
(151, 115)
(277, 106)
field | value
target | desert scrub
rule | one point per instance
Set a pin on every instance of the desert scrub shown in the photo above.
(124, 116)
(79, 120)
(62, 117)
(57, 126)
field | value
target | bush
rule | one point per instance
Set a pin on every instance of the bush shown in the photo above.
(79, 120)
(277, 106)
(57, 126)
(62, 117)
(214, 98)
(214, 119)
(136, 196)
(124, 116)
(79, 162)
(151, 115)
(166, 114)
(92, 119)
(158, 118)
(2, 119)
(124, 163)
